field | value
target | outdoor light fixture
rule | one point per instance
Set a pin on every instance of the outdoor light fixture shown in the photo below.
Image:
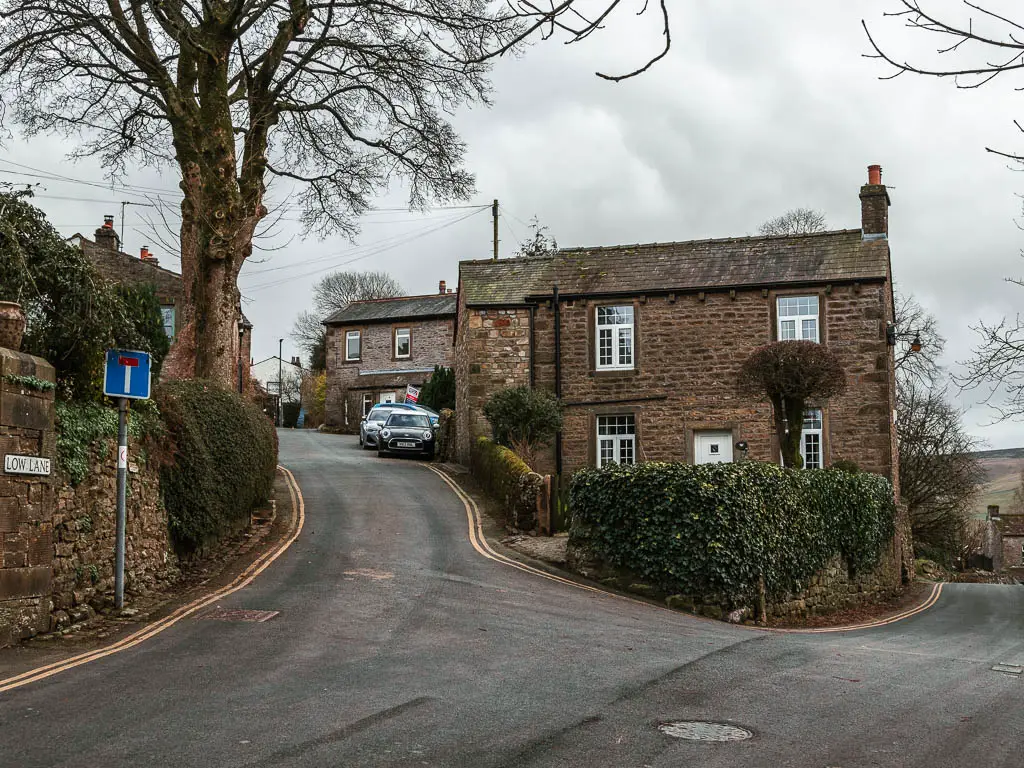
(915, 345)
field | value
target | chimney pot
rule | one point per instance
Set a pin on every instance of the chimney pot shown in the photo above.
(108, 222)
(144, 252)
(441, 286)
(874, 174)
(106, 236)
(874, 206)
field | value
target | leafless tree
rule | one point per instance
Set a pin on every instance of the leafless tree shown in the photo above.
(975, 46)
(915, 324)
(335, 292)
(341, 96)
(796, 221)
(939, 476)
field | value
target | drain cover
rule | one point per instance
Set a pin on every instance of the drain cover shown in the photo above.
(224, 614)
(697, 730)
(1010, 669)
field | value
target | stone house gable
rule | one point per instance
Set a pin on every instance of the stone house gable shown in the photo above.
(643, 343)
(378, 348)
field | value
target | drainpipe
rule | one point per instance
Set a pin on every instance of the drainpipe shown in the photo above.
(533, 372)
(556, 303)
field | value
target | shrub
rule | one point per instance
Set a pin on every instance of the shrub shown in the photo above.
(508, 479)
(225, 455)
(790, 373)
(718, 528)
(439, 391)
(523, 418)
(845, 465)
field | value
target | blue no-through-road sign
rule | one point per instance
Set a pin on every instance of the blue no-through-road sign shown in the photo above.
(126, 374)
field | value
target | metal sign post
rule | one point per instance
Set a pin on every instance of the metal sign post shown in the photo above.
(122, 483)
(126, 377)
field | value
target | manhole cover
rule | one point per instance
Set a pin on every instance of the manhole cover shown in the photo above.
(224, 614)
(697, 730)
(1010, 669)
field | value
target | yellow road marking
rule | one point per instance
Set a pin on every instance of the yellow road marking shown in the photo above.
(481, 545)
(151, 630)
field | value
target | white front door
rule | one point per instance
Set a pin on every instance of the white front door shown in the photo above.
(387, 397)
(712, 447)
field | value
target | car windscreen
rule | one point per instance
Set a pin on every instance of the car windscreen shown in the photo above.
(408, 420)
(380, 415)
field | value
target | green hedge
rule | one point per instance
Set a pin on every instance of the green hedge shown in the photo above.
(717, 528)
(224, 459)
(508, 479)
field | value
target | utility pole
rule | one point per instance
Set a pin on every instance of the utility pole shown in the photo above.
(280, 382)
(123, 204)
(494, 216)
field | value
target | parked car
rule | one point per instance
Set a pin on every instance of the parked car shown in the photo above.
(406, 432)
(371, 424)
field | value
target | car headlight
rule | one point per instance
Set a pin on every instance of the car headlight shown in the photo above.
(385, 433)
(427, 435)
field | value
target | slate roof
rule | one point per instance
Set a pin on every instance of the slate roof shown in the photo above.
(1011, 525)
(402, 308)
(840, 256)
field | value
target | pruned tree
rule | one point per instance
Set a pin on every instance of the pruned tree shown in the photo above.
(332, 293)
(789, 374)
(342, 97)
(539, 244)
(796, 221)
(939, 475)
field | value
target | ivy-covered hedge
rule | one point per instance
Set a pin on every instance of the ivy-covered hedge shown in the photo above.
(718, 528)
(508, 479)
(224, 458)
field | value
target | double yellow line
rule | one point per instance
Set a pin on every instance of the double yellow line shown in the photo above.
(480, 544)
(240, 582)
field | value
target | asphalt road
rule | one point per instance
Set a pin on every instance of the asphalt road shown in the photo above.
(397, 644)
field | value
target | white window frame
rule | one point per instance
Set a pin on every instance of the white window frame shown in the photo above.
(811, 437)
(367, 403)
(616, 439)
(407, 334)
(358, 336)
(799, 318)
(167, 313)
(616, 332)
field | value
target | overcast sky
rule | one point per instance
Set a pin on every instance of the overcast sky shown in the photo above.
(759, 107)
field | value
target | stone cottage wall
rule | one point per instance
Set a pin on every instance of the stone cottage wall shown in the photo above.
(83, 531)
(492, 351)
(26, 501)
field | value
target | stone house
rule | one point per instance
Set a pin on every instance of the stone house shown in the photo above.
(1003, 544)
(104, 251)
(377, 348)
(643, 343)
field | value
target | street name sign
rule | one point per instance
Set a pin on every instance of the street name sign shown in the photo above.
(127, 374)
(26, 465)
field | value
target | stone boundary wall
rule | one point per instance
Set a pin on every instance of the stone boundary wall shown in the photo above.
(26, 501)
(83, 531)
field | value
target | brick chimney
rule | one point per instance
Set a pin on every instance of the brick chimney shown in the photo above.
(441, 286)
(874, 206)
(106, 237)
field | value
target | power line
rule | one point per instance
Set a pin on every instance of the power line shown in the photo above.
(391, 246)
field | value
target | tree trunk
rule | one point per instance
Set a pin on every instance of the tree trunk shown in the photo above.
(789, 424)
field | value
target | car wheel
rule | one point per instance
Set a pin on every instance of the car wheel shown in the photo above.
(429, 455)
(381, 453)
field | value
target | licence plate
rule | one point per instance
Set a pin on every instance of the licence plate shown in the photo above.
(403, 444)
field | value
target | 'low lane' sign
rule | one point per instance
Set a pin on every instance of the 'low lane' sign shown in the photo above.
(26, 465)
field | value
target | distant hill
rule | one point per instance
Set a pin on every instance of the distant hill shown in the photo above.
(1001, 453)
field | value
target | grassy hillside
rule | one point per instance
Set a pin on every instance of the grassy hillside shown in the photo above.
(1002, 473)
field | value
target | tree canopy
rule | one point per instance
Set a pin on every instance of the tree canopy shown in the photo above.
(342, 97)
(796, 221)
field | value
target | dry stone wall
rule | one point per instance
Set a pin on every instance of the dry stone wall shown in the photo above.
(83, 530)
